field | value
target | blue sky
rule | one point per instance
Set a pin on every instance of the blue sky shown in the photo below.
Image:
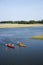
(21, 10)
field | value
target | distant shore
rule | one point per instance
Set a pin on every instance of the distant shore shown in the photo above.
(19, 25)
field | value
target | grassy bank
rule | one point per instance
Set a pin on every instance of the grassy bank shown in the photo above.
(40, 37)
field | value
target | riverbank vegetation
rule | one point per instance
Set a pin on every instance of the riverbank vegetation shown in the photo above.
(39, 37)
(23, 22)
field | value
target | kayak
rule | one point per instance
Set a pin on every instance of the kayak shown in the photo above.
(20, 44)
(10, 45)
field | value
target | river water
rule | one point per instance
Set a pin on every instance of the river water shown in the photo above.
(32, 54)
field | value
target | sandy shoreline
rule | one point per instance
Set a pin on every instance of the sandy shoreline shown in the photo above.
(19, 25)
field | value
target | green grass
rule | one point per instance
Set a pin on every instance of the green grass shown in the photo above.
(40, 37)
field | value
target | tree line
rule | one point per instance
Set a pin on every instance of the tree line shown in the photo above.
(23, 22)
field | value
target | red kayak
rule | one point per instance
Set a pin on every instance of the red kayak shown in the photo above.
(10, 45)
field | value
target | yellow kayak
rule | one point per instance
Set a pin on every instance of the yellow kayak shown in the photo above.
(20, 44)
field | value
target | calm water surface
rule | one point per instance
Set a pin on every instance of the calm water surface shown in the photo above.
(32, 54)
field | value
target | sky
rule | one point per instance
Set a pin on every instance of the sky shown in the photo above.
(17, 10)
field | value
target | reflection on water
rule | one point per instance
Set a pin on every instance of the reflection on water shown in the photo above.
(30, 55)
